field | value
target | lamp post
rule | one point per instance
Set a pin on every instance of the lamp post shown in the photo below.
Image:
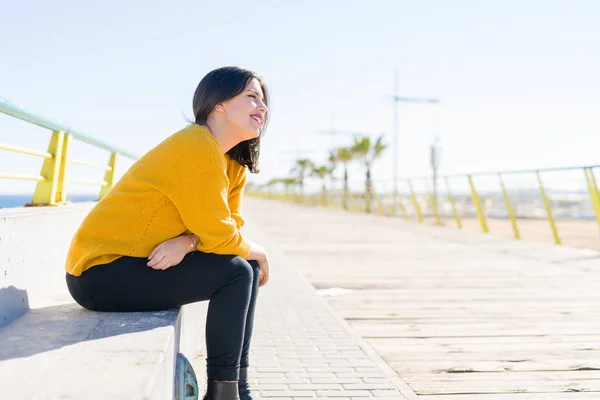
(397, 99)
(435, 153)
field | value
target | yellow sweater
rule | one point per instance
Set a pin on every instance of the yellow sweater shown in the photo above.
(183, 185)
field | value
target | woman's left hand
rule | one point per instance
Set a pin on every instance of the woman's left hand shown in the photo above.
(170, 252)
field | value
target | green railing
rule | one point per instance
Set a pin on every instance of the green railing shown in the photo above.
(51, 187)
(524, 203)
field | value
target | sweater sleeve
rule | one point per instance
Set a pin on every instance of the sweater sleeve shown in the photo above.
(204, 209)
(235, 199)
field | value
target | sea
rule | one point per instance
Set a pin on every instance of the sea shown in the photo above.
(19, 200)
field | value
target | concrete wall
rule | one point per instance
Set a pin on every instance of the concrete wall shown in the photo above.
(33, 246)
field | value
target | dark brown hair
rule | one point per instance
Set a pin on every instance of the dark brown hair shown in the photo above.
(223, 84)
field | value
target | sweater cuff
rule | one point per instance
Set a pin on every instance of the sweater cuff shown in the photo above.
(244, 249)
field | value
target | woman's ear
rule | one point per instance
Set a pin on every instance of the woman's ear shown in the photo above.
(219, 107)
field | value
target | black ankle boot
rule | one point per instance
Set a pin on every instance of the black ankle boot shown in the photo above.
(244, 389)
(218, 390)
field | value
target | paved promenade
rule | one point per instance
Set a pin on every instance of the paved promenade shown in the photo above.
(300, 347)
(412, 311)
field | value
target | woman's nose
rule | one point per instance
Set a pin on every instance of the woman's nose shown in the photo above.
(262, 107)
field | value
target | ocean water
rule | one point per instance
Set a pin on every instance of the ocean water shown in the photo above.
(18, 200)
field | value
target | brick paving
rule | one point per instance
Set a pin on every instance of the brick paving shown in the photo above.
(301, 348)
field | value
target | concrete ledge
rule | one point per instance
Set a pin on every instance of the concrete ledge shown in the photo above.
(53, 348)
(64, 351)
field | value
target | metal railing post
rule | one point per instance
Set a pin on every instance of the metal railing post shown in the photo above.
(109, 175)
(593, 189)
(551, 219)
(511, 214)
(45, 190)
(61, 190)
(434, 207)
(416, 204)
(454, 210)
(478, 208)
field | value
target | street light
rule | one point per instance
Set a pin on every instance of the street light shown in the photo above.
(435, 156)
(397, 99)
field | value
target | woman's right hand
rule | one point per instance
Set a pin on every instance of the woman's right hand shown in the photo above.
(264, 272)
(258, 253)
(171, 252)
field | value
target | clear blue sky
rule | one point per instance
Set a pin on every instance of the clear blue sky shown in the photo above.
(519, 80)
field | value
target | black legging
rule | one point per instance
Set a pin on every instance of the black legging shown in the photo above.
(230, 282)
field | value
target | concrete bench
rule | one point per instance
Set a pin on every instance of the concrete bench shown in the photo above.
(52, 348)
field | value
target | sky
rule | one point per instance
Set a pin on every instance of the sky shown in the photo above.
(518, 81)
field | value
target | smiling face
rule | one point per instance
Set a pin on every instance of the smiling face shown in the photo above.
(246, 112)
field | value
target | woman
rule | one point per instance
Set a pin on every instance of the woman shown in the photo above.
(168, 233)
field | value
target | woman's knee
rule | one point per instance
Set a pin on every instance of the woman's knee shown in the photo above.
(244, 268)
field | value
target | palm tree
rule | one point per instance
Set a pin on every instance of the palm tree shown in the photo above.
(368, 152)
(322, 172)
(270, 185)
(344, 155)
(288, 182)
(303, 166)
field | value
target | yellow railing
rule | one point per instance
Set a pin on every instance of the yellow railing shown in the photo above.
(506, 202)
(51, 187)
